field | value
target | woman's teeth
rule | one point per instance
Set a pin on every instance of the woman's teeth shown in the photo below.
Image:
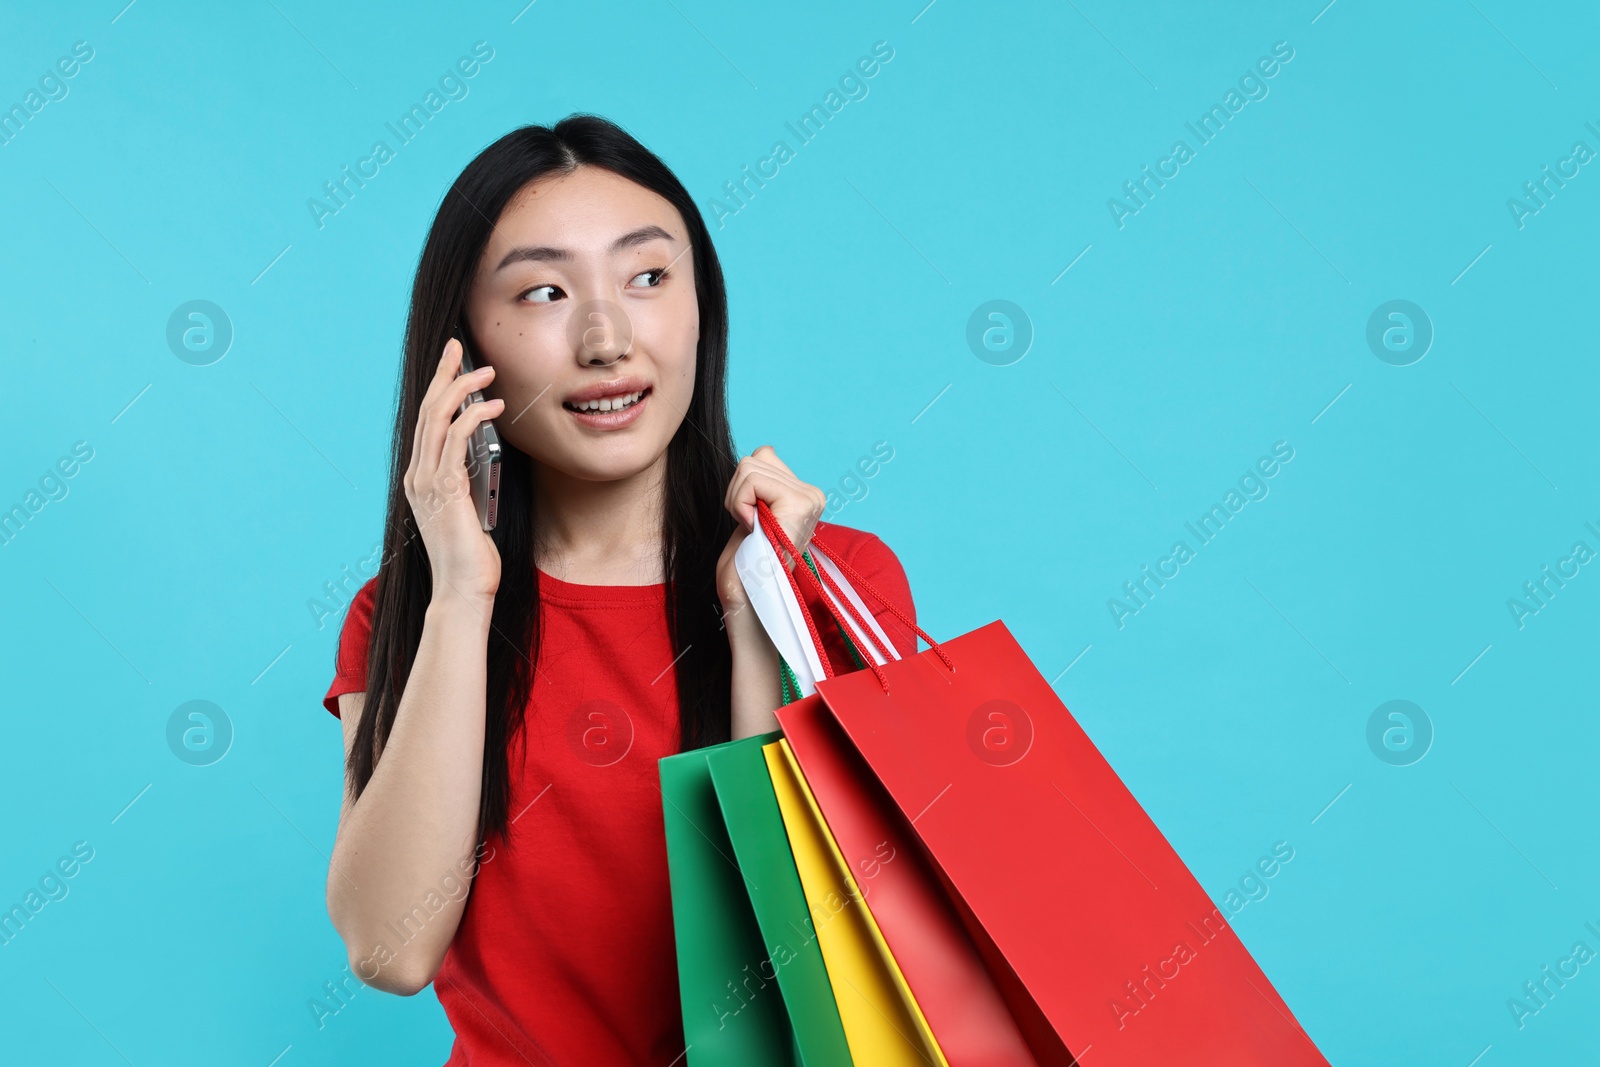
(610, 403)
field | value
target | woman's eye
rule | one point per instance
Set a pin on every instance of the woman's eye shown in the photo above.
(542, 294)
(659, 273)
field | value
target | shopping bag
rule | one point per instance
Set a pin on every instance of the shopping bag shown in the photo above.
(948, 977)
(793, 966)
(882, 1022)
(922, 929)
(1070, 892)
(723, 965)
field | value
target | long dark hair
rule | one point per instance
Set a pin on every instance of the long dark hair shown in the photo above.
(700, 462)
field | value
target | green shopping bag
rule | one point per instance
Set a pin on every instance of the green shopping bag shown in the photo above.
(719, 944)
(761, 845)
(753, 985)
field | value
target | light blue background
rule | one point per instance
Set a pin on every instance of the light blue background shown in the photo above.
(1227, 315)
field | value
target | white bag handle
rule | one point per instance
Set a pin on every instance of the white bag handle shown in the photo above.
(773, 598)
(766, 586)
(827, 564)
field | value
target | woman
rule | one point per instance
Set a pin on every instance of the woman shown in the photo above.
(505, 696)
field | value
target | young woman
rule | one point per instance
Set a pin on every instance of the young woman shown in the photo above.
(505, 696)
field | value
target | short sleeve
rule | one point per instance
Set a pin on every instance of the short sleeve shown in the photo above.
(875, 562)
(350, 662)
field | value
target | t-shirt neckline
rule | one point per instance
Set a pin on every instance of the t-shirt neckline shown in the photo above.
(574, 593)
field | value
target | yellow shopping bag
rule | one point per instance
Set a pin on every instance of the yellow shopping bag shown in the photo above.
(882, 1022)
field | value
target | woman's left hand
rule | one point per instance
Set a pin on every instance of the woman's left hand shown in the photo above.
(795, 504)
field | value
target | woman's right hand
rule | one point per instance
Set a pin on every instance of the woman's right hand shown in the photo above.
(462, 556)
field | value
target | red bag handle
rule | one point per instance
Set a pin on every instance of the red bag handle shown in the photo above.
(841, 601)
(862, 584)
(776, 533)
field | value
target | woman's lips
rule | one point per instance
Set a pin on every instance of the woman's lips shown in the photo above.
(615, 419)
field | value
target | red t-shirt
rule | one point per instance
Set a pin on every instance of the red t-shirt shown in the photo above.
(564, 954)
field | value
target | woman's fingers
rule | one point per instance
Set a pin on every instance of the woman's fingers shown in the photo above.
(740, 499)
(729, 498)
(443, 373)
(461, 554)
(454, 456)
(755, 480)
(440, 412)
(763, 476)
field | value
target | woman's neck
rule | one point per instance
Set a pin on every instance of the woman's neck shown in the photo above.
(600, 533)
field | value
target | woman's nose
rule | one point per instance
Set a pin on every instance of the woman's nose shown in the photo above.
(600, 333)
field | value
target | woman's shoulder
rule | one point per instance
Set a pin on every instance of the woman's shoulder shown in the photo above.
(872, 561)
(355, 634)
(866, 553)
(359, 614)
(849, 543)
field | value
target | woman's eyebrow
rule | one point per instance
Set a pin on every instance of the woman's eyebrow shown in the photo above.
(542, 253)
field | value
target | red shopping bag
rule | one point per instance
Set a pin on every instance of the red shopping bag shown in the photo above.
(1077, 902)
(966, 1010)
(950, 980)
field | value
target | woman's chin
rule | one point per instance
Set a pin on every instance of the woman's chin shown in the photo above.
(611, 462)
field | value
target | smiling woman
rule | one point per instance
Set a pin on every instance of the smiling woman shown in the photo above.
(614, 300)
(512, 690)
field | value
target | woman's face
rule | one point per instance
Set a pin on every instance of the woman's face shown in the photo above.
(584, 303)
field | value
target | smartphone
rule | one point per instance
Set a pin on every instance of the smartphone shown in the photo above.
(483, 449)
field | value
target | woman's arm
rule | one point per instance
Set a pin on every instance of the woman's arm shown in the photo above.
(797, 506)
(756, 687)
(413, 830)
(409, 840)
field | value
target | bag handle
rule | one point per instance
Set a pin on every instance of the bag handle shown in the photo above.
(844, 606)
(793, 597)
(839, 592)
(770, 589)
(876, 642)
(779, 606)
